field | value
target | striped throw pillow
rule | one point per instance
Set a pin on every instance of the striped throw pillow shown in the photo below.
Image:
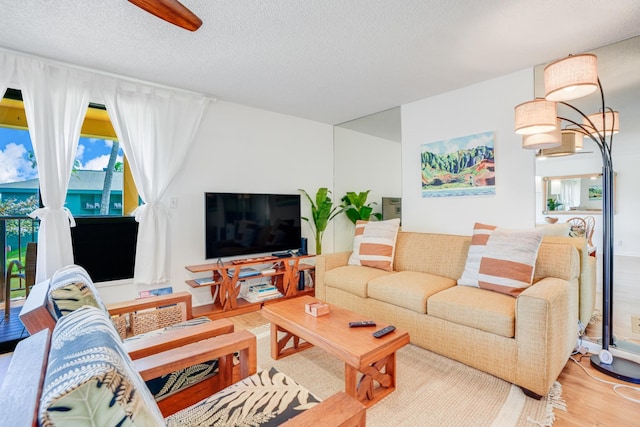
(481, 233)
(374, 244)
(509, 260)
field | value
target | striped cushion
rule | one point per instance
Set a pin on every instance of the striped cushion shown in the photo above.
(509, 260)
(481, 233)
(374, 244)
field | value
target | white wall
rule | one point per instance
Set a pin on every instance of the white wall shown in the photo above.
(363, 162)
(246, 150)
(487, 106)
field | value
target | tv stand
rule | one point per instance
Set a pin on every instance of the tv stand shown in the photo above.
(225, 287)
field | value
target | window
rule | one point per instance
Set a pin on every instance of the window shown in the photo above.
(96, 186)
(91, 180)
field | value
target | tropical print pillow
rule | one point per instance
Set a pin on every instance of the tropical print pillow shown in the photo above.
(90, 378)
(70, 288)
(267, 398)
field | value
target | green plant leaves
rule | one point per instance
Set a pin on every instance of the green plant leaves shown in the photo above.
(322, 211)
(354, 206)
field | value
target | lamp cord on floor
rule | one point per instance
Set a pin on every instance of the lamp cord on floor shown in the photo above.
(616, 386)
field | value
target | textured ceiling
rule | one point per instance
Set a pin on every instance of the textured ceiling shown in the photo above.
(325, 60)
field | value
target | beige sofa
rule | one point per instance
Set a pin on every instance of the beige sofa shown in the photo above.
(525, 340)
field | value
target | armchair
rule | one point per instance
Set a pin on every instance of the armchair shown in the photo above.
(71, 288)
(81, 372)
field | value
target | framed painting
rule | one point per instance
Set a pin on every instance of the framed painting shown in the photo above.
(462, 166)
(595, 192)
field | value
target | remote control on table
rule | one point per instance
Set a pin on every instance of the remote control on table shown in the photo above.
(362, 323)
(384, 331)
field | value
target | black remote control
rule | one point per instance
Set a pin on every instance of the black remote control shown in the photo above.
(362, 323)
(384, 331)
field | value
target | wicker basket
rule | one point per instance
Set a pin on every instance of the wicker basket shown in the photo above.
(149, 320)
(120, 323)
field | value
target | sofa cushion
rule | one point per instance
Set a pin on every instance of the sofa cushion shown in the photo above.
(476, 308)
(408, 289)
(374, 244)
(90, 379)
(352, 278)
(267, 398)
(509, 260)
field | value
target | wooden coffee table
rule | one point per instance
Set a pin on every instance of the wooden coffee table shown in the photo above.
(369, 363)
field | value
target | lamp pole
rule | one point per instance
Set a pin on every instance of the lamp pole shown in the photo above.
(538, 121)
(603, 137)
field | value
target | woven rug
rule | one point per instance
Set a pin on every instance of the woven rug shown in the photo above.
(431, 390)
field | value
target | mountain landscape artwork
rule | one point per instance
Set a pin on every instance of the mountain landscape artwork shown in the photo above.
(462, 166)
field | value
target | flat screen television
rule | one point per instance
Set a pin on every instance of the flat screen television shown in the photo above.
(105, 246)
(238, 224)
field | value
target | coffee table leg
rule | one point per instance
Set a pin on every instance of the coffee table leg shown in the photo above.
(375, 382)
(279, 343)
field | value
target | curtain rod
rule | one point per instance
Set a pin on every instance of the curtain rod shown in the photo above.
(106, 73)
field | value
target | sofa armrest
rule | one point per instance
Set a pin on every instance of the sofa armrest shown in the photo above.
(546, 331)
(339, 410)
(22, 384)
(222, 348)
(35, 315)
(324, 263)
(146, 346)
(126, 307)
(587, 291)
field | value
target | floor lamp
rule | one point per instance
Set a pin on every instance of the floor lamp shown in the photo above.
(541, 127)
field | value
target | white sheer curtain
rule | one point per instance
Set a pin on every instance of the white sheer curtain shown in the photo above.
(570, 193)
(156, 128)
(7, 65)
(55, 100)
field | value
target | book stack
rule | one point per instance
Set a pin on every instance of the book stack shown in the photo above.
(261, 292)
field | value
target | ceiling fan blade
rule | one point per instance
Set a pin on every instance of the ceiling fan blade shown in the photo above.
(171, 11)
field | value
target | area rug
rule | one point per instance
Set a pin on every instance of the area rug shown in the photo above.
(431, 390)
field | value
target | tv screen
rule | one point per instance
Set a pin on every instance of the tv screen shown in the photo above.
(105, 246)
(247, 223)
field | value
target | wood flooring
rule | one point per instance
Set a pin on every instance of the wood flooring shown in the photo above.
(589, 402)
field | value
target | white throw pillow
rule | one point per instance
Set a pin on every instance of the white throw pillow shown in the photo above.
(509, 260)
(374, 244)
(481, 233)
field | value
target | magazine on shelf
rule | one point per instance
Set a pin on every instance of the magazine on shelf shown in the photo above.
(155, 292)
(205, 281)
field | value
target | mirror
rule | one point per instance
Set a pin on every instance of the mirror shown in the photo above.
(572, 194)
(367, 156)
(618, 66)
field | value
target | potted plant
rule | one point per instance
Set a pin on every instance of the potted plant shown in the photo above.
(322, 211)
(353, 205)
(553, 205)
